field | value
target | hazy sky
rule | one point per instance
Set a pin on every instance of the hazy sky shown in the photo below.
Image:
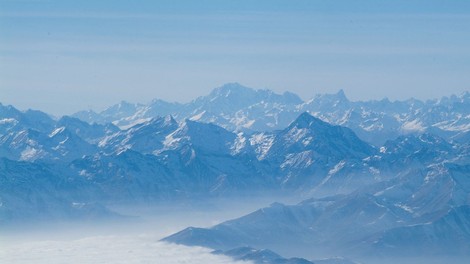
(63, 56)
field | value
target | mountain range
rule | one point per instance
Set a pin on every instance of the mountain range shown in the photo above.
(377, 177)
(238, 108)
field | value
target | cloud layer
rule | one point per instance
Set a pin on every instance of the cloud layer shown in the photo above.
(107, 249)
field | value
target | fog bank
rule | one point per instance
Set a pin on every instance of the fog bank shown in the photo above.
(107, 249)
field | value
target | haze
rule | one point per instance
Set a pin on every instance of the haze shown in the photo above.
(127, 240)
(241, 173)
(65, 56)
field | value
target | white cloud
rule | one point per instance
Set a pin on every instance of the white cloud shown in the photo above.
(107, 249)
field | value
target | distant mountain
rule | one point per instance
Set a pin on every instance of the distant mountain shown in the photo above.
(263, 256)
(31, 145)
(91, 133)
(32, 192)
(408, 215)
(146, 137)
(11, 117)
(239, 108)
(266, 256)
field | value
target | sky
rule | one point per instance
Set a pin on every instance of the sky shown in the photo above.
(65, 56)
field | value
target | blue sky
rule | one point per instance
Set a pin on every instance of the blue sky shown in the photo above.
(64, 56)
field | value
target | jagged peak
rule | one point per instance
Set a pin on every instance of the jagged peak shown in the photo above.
(9, 109)
(341, 93)
(305, 120)
(339, 97)
(67, 119)
(191, 124)
(200, 129)
(85, 112)
(159, 122)
(169, 119)
(121, 105)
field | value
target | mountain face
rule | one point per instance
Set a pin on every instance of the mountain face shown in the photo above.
(145, 138)
(239, 108)
(308, 133)
(34, 136)
(32, 191)
(30, 145)
(11, 117)
(403, 216)
(90, 133)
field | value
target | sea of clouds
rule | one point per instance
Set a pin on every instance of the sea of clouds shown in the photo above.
(129, 241)
(125, 249)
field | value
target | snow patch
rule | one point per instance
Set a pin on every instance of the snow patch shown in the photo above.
(78, 205)
(404, 207)
(197, 116)
(374, 171)
(8, 121)
(298, 160)
(239, 144)
(57, 131)
(126, 125)
(413, 126)
(295, 134)
(262, 143)
(30, 153)
(383, 191)
(333, 171)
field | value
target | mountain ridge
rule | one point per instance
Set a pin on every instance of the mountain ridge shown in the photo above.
(240, 108)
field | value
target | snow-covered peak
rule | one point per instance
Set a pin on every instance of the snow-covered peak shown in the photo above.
(88, 116)
(225, 99)
(308, 138)
(121, 110)
(306, 120)
(240, 108)
(231, 89)
(158, 123)
(337, 99)
(204, 137)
